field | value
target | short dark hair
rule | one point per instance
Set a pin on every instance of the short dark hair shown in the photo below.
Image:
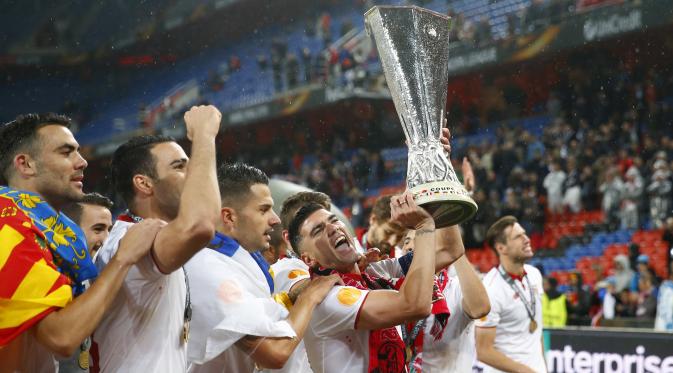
(496, 233)
(134, 158)
(235, 180)
(293, 203)
(20, 135)
(299, 218)
(381, 208)
(74, 210)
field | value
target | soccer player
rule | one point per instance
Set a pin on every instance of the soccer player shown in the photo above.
(44, 261)
(92, 214)
(510, 338)
(147, 328)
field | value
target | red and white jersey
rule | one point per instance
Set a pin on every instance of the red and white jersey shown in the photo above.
(287, 272)
(510, 318)
(455, 351)
(142, 330)
(332, 343)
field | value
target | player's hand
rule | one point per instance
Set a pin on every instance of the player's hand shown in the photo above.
(405, 211)
(444, 138)
(204, 119)
(468, 175)
(318, 288)
(372, 255)
(138, 240)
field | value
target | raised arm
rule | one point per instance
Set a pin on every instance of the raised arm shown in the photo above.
(386, 308)
(194, 226)
(273, 353)
(63, 331)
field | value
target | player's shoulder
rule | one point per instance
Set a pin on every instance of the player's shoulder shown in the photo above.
(491, 277)
(119, 229)
(286, 264)
(532, 271)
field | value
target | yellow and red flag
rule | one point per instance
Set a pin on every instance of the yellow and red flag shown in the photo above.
(31, 286)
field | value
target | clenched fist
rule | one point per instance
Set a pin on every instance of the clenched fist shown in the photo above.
(204, 119)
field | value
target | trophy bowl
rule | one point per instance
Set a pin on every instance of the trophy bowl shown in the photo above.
(413, 44)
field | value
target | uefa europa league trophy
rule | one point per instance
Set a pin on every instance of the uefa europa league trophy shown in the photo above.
(413, 45)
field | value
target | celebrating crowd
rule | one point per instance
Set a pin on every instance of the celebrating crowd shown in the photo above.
(183, 280)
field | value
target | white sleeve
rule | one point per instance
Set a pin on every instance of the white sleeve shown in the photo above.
(493, 317)
(287, 272)
(225, 310)
(338, 311)
(392, 268)
(144, 270)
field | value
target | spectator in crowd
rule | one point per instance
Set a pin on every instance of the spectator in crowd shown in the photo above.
(553, 183)
(292, 70)
(660, 194)
(623, 273)
(631, 197)
(578, 300)
(572, 187)
(646, 304)
(612, 189)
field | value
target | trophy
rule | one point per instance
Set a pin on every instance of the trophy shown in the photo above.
(413, 44)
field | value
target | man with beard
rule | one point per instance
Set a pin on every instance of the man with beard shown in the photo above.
(237, 324)
(148, 327)
(510, 338)
(383, 233)
(354, 327)
(44, 262)
(93, 215)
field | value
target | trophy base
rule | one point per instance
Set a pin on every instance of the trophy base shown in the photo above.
(447, 202)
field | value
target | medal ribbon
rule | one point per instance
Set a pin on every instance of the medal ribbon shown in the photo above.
(530, 306)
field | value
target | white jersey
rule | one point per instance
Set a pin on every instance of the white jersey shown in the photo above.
(455, 351)
(332, 343)
(142, 330)
(231, 298)
(287, 272)
(510, 318)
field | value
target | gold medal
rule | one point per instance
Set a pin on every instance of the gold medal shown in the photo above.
(532, 326)
(185, 331)
(83, 359)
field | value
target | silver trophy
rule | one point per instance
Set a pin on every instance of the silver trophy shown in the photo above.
(413, 44)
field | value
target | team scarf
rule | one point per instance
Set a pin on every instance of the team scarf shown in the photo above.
(414, 333)
(65, 238)
(44, 261)
(386, 348)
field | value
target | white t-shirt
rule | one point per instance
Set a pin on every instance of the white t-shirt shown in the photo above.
(232, 299)
(142, 330)
(508, 315)
(287, 272)
(332, 343)
(455, 351)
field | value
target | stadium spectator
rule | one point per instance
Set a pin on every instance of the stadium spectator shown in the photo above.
(553, 183)
(646, 304)
(623, 274)
(631, 199)
(578, 300)
(572, 187)
(612, 189)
